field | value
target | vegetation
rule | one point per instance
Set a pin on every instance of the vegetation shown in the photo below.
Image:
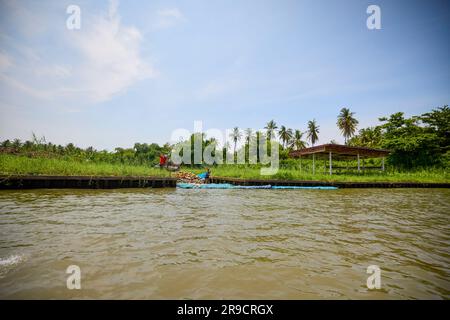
(419, 141)
(347, 123)
(292, 173)
(419, 148)
(13, 164)
(270, 129)
(313, 132)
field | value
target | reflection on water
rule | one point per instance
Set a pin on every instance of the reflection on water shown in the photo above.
(191, 244)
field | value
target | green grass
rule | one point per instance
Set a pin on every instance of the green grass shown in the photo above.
(247, 172)
(10, 164)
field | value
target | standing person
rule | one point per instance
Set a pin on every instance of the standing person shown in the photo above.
(162, 160)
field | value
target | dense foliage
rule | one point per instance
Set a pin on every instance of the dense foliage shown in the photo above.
(418, 141)
(140, 154)
(415, 142)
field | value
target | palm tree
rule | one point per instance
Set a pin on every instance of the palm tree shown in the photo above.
(313, 131)
(347, 123)
(370, 137)
(285, 135)
(270, 128)
(236, 136)
(248, 135)
(296, 140)
(16, 144)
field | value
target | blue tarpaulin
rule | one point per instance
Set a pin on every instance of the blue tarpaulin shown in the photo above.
(230, 186)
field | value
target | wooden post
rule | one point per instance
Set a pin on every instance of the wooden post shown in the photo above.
(331, 165)
(359, 168)
(314, 163)
(382, 164)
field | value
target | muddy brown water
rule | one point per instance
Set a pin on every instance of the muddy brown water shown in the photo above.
(224, 244)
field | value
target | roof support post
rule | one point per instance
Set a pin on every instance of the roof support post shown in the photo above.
(331, 165)
(382, 164)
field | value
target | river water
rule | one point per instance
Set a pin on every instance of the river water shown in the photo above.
(223, 244)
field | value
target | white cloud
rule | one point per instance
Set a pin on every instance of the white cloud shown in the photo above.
(103, 60)
(112, 60)
(168, 17)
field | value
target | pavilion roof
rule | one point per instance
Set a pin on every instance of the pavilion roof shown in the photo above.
(340, 150)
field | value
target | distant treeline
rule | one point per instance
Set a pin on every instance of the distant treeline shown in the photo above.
(140, 154)
(415, 142)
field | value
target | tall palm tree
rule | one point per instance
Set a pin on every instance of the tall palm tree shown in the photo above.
(313, 131)
(347, 123)
(270, 127)
(297, 140)
(285, 135)
(248, 135)
(236, 136)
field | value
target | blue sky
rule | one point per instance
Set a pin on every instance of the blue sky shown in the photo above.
(137, 70)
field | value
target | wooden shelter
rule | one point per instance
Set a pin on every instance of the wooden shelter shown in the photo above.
(340, 152)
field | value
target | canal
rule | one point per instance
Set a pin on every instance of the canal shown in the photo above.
(223, 244)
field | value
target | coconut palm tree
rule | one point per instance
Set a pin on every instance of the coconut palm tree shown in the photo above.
(285, 135)
(296, 140)
(270, 129)
(248, 135)
(236, 136)
(347, 123)
(313, 131)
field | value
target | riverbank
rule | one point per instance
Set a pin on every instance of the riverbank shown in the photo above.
(316, 183)
(84, 182)
(22, 165)
(101, 182)
(12, 165)
(295, 174)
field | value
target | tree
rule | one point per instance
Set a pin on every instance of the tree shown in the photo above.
(270, 129)
(285, 135)
(248, 135)
(347, 123)
(296, 141)
(411, 145)
(236, 136)
(438, 121)
(313, 132)
(16, 144)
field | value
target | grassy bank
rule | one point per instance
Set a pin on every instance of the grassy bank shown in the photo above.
(12, 164)
(432, 175)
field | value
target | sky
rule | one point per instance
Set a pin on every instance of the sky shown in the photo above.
(137, 70)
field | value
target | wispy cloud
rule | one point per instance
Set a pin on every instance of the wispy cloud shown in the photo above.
(107, 62)
(168, 17)
(112, 60)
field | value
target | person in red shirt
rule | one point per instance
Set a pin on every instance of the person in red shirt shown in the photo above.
(162, 160)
